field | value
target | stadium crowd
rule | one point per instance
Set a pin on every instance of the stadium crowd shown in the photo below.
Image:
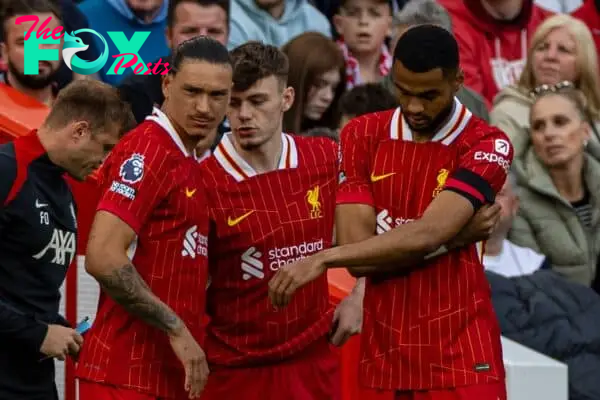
(531, 69)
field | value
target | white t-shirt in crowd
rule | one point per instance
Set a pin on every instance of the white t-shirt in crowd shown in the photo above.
(513, 260)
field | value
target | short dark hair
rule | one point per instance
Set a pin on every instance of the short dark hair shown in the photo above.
(423, 48)
(366, 99)
(200, 48)
(224, 4)
(90, 100)
(253, 61)
(343, 3)
(15, 8)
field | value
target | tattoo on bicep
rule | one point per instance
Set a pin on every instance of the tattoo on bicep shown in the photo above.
(126, 287)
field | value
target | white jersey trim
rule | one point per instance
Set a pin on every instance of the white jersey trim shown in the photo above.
(235, 165)
(446, 135)
(163, 121)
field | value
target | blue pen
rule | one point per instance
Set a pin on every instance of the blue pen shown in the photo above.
(83, 326)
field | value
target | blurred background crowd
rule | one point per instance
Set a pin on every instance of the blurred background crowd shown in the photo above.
(543, 258)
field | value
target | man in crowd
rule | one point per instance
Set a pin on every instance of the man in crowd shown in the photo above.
(43, 85)
(148, 243)
(128, 18)
(274, 22)
(501, 255)
(186, 19)
(493, 38)
(38, 231)
(416, 175)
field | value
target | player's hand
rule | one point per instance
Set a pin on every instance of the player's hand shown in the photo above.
(347, 320)
(193, 359)
(291, 277)
(61, 341)
(480, 227)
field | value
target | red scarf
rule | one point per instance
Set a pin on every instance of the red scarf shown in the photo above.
(353, 68)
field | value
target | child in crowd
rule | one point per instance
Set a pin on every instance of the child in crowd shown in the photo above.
(363, 26)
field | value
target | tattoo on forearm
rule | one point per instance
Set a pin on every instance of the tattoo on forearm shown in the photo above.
(126, 287)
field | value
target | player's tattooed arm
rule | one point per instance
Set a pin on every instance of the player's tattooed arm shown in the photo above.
(108, 262)
(127, 288)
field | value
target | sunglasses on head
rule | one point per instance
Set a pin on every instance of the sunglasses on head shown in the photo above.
(543, 89)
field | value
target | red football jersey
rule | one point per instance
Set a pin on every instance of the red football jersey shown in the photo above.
(260, 222)
(152, 184)
(435, 327)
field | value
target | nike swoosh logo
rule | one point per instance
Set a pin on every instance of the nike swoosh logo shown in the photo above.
(40, 205)
(375, 178)
(234, 222)
(190, 193)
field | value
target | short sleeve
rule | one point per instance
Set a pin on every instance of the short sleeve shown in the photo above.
(134, 183)
(482, 169)
(354, 184)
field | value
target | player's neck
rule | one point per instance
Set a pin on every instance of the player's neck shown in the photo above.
(50, 143)
(265, 158)
(438, 123)
(189, 142)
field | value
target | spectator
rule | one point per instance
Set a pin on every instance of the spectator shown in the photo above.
(589, 13)
(363, 26)
(361, 99)
(501, 255)
(274, 22)
(329, 7)
(73, 20)
(419, 12)
(128, 16)
(185, 19)
(561, 49)
(493, 36)
(316, 73)
(559, 186)
(364, 99)
(42, 86)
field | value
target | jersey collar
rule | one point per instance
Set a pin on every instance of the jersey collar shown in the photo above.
(456, 124)
(239, 169)
(163, 121)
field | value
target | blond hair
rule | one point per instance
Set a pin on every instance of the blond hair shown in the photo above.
(586, 59)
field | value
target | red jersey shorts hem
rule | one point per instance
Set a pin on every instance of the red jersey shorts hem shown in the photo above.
(314, 377)
(486, 391)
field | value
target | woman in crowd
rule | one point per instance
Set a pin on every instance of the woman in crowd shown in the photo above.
(562, 49)
(559, 186)
(316, 74)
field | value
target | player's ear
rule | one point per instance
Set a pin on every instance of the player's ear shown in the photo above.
(459, 80)
(169, 37)
(165, 84)
(80, 130)
(288, 98)
(3, 53)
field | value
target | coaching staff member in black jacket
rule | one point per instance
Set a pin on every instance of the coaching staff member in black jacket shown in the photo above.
(38, 231)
